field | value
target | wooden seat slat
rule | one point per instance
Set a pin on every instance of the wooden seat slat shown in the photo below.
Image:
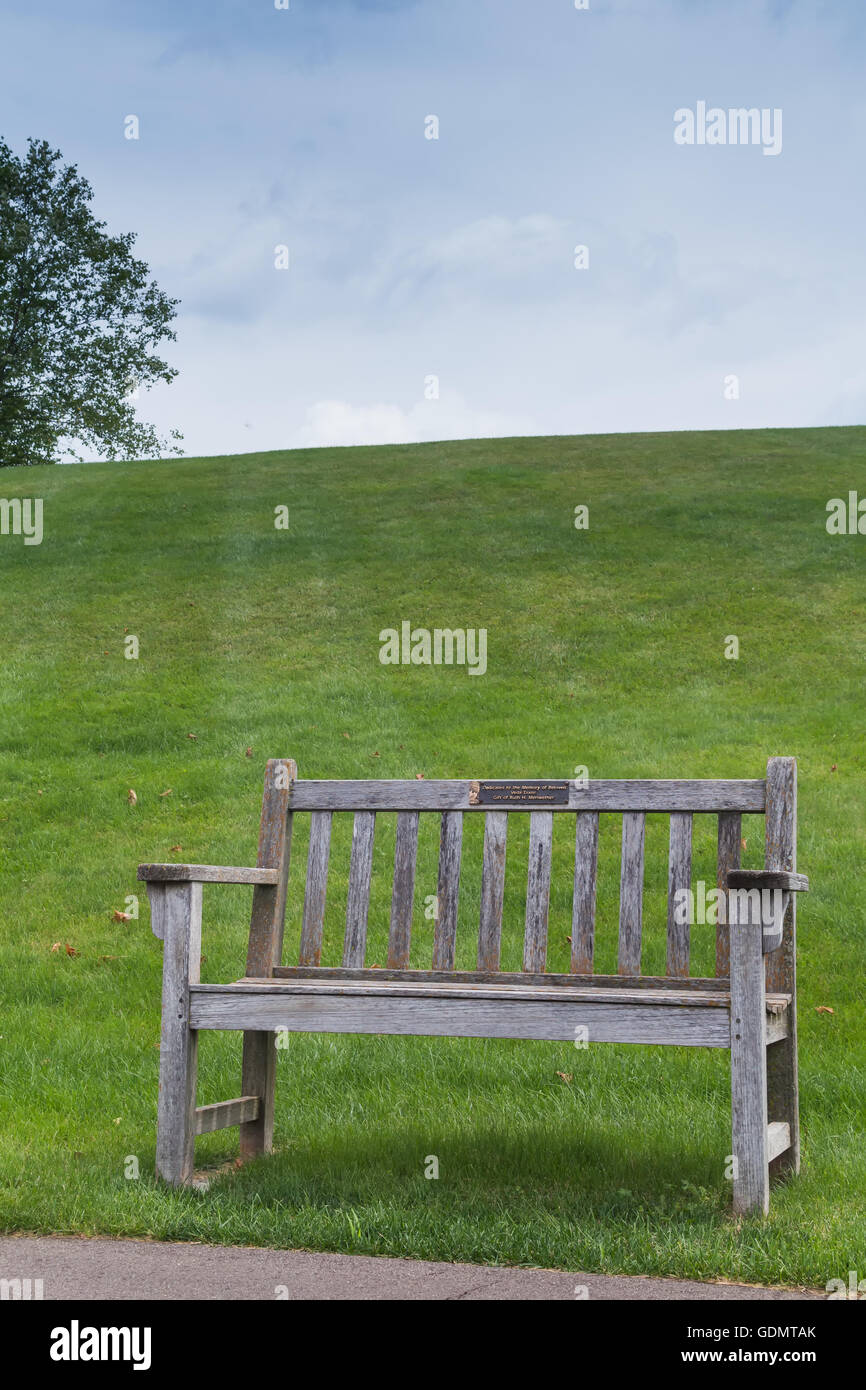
(583, 910)
(631, 892)
(405, 856)
(492, 889)
(728, 857)
(448, 890)
(538, 890)
(316, 887)
(358, 900)
(679, 878)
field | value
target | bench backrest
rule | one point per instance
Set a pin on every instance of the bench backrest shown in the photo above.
(286, 796)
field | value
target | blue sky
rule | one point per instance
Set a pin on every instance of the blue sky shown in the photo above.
(454, 258)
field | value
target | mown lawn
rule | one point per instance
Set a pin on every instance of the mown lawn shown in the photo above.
(605, 649)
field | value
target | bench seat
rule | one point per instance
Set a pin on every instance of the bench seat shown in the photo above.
(695, 1013)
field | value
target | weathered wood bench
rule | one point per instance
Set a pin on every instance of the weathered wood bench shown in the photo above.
(749, 1006)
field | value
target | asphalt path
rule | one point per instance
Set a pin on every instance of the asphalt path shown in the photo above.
(73, 1267)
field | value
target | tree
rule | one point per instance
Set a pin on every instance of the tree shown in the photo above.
(80, 321)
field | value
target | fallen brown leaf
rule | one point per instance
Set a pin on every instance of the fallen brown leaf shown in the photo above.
(249, 753)
(122, 916)
(824, 1009)
(567, 1076)
(167, 792)
(71, 951)
(56, 946)
(175, 849)
(193, 737)
(131, 797)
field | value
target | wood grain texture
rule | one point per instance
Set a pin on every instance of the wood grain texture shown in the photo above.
(780, 854)
(358, 900)
(636, 794)
(448, 890)
(316, 889)
(452, 985)
(495, 977)
(492, 890)
(778, 1025)
(403, 894)
(631, 892)
(538, 890)
(226, 1113)
(749, 1072)
(583, 908)
(728, 857)
(204, 873)
(606, 1021)
(178, 1047)
(768, 878)
(265, 947)
(679, 877)
(156, 895)
(778, 1138)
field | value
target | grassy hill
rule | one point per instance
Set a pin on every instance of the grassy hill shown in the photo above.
(605, 649)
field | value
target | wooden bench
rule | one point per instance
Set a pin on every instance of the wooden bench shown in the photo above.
(749, 1005)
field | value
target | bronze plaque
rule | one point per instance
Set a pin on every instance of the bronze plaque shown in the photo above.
(538, 794)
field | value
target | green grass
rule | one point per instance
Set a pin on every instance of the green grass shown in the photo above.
(605, 648)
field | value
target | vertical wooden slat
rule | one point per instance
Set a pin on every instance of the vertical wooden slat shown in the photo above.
(405, 855)
(265, 948)
(316, 889)
(781, 964)
(538, 890)
(448, 890)
(631, 892)
(730, 833)
(358, 901)
(492, 889)
(583, 912)
(679, 877)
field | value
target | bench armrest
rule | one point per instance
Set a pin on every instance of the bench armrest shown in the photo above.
(761, 897)
(768, 878)
(204, 873)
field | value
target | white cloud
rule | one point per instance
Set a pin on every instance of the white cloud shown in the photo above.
(339, 422)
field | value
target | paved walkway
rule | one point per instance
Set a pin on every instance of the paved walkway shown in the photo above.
(73, 1267)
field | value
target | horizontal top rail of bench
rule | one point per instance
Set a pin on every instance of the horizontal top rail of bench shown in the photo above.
(634, 794)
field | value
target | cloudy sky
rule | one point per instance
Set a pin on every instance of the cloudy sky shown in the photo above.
(454, 258)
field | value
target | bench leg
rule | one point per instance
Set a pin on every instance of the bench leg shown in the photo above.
(259, 1079)
(177, 907)
(750, 1146)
